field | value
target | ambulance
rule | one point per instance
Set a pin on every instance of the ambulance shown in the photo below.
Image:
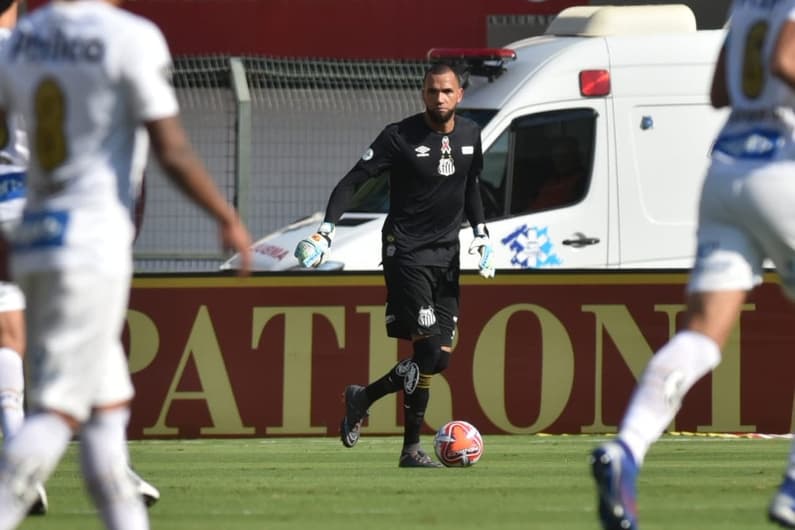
(596, 139)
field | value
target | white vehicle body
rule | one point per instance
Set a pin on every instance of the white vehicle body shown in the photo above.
(644, 145)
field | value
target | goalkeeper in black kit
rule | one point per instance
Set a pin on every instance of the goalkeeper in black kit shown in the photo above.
(434, 159)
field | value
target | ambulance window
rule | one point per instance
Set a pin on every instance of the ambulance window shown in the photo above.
(551, 160)
(492, 178)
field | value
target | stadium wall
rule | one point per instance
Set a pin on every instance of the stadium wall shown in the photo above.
(361, 29)
(554, 353)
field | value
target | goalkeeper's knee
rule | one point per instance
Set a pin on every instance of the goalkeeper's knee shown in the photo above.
(443, 361)
(428, 359)
(427, 353)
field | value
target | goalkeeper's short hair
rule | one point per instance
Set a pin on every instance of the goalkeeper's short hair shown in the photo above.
(442, 67)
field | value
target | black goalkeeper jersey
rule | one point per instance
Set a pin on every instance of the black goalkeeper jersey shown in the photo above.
(433, 187)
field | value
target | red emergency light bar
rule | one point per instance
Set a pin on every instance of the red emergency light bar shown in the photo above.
(484, 62)
(471, 54)
(594, 83)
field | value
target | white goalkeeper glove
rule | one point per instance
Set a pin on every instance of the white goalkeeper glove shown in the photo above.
(481, 245)
(314, 250)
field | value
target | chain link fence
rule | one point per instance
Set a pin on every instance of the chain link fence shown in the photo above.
(276, 134)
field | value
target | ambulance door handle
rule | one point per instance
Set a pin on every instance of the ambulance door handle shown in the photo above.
(581, 241)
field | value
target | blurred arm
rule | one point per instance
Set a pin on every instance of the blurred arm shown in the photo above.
(719, 94)
(782, 64)
(183, 166)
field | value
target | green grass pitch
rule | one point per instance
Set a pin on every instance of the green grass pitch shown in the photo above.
(522, 482)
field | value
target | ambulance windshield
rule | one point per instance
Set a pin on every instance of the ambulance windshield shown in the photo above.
(480, 116)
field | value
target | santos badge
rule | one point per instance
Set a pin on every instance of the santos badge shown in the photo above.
(446, 164)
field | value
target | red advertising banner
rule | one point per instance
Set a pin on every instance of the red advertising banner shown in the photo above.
(556, 353)
(355, 29)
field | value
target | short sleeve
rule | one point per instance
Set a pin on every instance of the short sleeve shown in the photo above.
(380, 153)
(146, 69)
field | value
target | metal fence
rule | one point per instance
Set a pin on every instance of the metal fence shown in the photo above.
(277, 135)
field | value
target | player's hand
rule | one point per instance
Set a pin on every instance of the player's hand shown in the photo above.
(482, 245)
(235, 236)
(314, 250)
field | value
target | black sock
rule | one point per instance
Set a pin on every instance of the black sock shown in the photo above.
(414, 414)
(391, 382)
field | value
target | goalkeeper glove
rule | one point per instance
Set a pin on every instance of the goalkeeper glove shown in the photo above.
(481, 245)
(314, 250)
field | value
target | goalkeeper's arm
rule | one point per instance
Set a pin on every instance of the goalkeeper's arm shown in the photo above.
(342, 194)
(314, 250)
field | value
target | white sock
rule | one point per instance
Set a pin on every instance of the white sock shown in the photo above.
(791, 467)
(105, 461)
(12, 388)
(672, 371)
(29, 458)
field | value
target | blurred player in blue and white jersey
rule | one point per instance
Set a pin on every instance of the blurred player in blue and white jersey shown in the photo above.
(13, 161)
(746, 215)
(85, 76)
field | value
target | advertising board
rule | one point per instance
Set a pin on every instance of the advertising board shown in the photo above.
(552, 353)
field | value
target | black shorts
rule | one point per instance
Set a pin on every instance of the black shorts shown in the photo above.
(421, 301)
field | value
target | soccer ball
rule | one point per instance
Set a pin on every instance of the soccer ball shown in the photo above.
(458, 444)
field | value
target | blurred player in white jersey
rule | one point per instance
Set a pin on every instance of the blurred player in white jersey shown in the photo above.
(13, 160)
(13, 163)
(746, 215)
(84, 76)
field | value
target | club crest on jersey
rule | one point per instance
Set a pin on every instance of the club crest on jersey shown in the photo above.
(446, 164)
(426, 317)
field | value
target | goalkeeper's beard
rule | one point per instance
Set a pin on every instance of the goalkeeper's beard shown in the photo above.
(439, 117)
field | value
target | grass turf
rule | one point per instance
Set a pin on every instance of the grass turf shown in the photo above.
(527, 482)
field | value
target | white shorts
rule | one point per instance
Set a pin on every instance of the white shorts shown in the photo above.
(11, 297)
(75, 359)
(746, 215)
